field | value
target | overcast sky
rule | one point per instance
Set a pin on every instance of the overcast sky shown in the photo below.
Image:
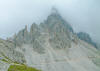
(83, 15)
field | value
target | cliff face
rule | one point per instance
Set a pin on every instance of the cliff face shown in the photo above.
(58, 31)
(86, 37)
(50, 46)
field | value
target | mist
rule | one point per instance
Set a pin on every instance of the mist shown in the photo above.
(83, 15)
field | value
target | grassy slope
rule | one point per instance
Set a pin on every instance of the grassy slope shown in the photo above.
(21, 68)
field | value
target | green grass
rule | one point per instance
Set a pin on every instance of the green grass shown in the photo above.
(21, 68)
(7, 60)
(4, 60)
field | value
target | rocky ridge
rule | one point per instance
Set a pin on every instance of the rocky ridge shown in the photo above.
(50, 46)
(86, 37)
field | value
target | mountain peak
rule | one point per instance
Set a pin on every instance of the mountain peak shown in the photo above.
(54, 25)
(56, 19)
(54, 10)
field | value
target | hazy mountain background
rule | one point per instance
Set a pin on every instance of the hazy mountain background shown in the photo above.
(83, 15)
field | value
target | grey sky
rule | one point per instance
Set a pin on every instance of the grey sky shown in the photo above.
(84, 15)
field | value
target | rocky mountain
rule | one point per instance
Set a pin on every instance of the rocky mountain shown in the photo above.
(86, 37)
(49, 46)
(9, 55)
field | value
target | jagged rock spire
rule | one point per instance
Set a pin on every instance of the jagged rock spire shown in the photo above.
(55, 25)
(26, 27)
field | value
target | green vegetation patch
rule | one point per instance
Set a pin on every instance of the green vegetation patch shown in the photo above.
(21, 68)
(4, 60)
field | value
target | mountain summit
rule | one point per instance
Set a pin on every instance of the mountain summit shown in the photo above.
(51, 46)
(55, 25)
(54, 11)
(55, 18)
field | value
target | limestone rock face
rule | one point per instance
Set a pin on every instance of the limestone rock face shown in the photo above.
(22, 37)
(86, 37)
(7, 51)
(57, 30)
(54, 20)
(9, 55)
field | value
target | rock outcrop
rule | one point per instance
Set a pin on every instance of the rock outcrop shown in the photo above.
(58, 31)
(86, 37)
(7, 51)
